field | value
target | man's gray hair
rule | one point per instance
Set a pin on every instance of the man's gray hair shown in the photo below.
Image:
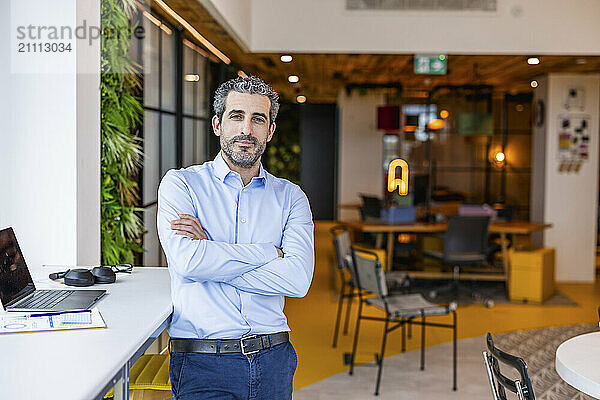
(252, 85)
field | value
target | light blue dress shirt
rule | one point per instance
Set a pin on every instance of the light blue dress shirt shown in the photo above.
(233, 283)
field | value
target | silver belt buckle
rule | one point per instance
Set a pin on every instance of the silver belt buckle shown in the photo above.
(242, 345)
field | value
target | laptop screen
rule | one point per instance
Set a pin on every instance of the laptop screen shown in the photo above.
(15, 280)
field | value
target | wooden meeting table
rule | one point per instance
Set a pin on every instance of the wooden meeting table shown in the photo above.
(502, 228)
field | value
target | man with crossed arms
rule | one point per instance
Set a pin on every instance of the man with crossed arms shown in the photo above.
(238, 240)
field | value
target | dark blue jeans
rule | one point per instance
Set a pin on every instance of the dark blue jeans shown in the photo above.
(266, 375)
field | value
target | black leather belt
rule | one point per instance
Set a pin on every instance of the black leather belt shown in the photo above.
(246, 345)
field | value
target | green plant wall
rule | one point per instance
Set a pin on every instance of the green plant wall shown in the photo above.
(121, 113)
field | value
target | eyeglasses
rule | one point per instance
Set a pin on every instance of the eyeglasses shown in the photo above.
(125, 268)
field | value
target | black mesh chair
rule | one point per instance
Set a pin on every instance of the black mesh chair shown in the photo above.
(465, 244)
(499, 383)
(370, 210)
(343, 256)
(400, 310)
(371, 207)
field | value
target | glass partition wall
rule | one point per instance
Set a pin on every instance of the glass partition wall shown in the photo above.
(459, 166)
(176, 78)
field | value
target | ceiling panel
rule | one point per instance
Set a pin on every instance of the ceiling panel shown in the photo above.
(322, 76)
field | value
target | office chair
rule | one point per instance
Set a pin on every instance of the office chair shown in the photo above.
(371, 207)
(370, 210)
(343, 256)
(465, 244)
(400, 310)
(499, 383)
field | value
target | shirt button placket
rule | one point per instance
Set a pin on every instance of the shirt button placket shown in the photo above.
(243, 209)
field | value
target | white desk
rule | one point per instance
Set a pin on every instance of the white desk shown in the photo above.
(578, 363)
(85, 364)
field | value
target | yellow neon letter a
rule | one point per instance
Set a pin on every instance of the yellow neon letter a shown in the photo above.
(393, 182)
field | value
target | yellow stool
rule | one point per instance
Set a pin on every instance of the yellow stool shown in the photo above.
(149, 378)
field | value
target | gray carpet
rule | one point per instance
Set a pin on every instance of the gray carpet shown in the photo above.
(402, 378)
(538, 349)
(492, 290)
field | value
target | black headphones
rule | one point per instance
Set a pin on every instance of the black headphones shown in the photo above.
(85, 277)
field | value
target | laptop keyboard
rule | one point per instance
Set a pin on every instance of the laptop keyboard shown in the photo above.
(45, 299)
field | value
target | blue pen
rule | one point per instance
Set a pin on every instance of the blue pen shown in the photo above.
(59, 313)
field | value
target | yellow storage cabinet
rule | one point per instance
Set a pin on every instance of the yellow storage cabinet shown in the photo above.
(531, 275)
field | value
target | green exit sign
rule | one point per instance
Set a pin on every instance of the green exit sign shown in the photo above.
(430, 64)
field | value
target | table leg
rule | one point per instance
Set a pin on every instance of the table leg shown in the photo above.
(122, 386)
(505, 258)
(390, 250)
(379, 240)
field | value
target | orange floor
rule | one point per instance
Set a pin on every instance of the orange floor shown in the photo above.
(312, 320)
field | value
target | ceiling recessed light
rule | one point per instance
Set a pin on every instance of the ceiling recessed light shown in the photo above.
(286, 58)
(192, 77)
(534, 84)
(300, 99)
(581, 61)
(293, 78)
(533, 61)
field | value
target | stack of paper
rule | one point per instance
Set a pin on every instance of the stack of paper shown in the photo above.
(15, 323)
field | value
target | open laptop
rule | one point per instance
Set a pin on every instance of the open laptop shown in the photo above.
(18, 293)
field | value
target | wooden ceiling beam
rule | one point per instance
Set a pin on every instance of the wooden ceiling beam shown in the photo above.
(322, 76)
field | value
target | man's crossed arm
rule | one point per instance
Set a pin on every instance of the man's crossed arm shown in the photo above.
(191, 227)
(256, 268)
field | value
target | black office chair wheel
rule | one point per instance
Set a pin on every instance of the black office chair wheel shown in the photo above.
(489, 303)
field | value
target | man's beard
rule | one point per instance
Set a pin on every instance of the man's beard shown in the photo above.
(243, 158)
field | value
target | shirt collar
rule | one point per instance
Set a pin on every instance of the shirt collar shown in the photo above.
(222, 169)
(220, 166)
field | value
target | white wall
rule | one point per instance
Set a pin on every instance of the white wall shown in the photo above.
(49, 172)
(570, 200)
(517, 27)
(88, 139)
(360, 162)
(234, 16)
